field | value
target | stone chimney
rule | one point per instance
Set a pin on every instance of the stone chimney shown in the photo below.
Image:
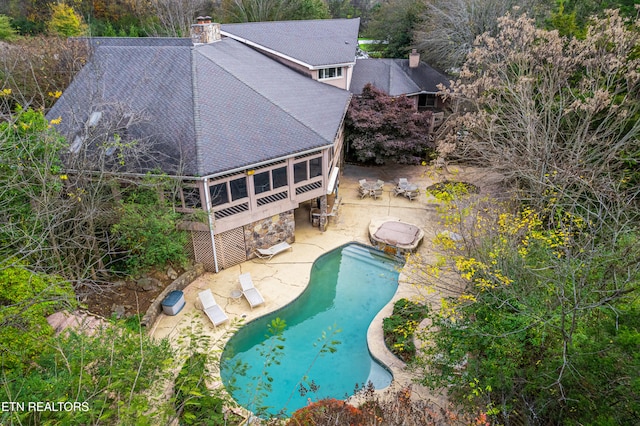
(204, 31)
(414, 59)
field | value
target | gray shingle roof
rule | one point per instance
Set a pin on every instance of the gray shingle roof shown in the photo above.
(206, 109)
(395, 78)
(313, 42)
(259, 108)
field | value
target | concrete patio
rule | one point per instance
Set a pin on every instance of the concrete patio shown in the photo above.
(285, 276)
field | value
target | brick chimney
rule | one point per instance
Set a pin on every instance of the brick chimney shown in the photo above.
(204, 31)
(414, 59)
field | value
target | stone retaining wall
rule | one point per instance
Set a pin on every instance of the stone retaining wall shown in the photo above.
(179, 283)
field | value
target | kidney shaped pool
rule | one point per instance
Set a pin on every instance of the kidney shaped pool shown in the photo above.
(347, 288)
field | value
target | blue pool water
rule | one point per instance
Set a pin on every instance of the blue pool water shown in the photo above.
(347, 288)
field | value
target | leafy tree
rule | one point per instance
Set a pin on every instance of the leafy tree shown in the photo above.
(65, 21)
(62, 222)
(37, 69)
(26, 299)
(308, 9)
(146, 230)
(392, 23)
(350, 9)
(29, 181)
(171, 18)
(6, 30)
(113, 377)
(382, 128)
(585, 9)
(272, 10)
(394, 408)
(194, 401)
(565, 23)
(539, 327)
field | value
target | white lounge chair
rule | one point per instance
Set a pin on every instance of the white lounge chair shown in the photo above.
(211, 308)
(251, 293)
(268, 253)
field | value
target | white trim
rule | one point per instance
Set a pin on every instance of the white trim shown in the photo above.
(420, 93)
(332, 180)
(344, 64)
(273, 160)
(211, 225)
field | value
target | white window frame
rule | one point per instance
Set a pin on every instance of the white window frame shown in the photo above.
(323, 71)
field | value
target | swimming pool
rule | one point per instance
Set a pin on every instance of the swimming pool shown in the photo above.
(347, 288)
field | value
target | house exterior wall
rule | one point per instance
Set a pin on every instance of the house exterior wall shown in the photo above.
(265, 216)
(440, 104)
(342, 82)
(269, 231)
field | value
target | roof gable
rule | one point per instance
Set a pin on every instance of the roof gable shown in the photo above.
(315, 43)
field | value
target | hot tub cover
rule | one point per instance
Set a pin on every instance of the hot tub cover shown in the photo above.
(397, 233)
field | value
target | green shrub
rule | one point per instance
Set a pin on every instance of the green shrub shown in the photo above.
(146, 229)
(26, 299)
(6, 30)
(111, 376)
(450, 190)
(400, 326)
(194, 402)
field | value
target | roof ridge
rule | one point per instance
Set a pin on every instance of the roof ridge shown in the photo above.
(196, 107)
(292, 20)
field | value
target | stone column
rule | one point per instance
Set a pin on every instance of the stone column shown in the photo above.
(323, 213)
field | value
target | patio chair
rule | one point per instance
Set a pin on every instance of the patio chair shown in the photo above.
(412, 193)
(268, 253)
(400, 188)
(250, 293)
(363, 188)
(212, 309)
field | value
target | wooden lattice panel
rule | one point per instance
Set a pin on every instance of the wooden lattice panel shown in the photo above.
(230, 247)
(202, 250)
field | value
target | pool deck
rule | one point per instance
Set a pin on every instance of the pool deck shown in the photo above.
(282, 279)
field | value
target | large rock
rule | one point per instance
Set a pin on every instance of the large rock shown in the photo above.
(148, 284)
(171, 273)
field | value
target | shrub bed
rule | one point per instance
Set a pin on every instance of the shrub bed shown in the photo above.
(400, 326)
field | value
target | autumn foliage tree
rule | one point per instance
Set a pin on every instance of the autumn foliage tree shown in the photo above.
(544, 326)
(447, 28)
(560, 117)
(65, 21)
(383, 128)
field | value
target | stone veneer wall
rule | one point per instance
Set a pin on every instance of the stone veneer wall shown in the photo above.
(268, 232)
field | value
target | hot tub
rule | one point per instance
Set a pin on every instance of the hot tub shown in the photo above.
(394, 236)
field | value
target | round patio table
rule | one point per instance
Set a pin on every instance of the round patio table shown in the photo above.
(236, 295)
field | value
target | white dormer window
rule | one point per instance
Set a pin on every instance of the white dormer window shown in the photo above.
(326, 73)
